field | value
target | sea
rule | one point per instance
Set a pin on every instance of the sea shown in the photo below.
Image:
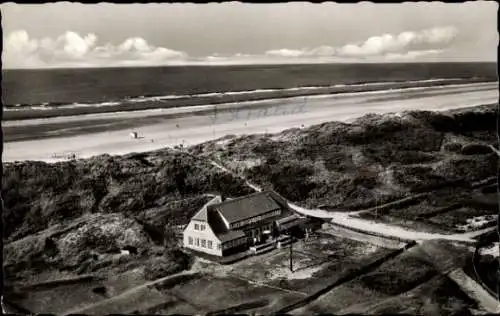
(43, 89)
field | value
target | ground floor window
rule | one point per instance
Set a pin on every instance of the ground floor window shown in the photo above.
(209, 244)
(190, 240)
(234, 243)
(203, 243)
(197, 242)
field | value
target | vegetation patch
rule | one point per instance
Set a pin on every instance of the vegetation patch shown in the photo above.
(376, 159)
(465, 219)
(399, 275)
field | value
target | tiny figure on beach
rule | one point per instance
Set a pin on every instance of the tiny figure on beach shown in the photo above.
(133, 135)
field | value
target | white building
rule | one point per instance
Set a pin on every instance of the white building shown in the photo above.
(221, 228)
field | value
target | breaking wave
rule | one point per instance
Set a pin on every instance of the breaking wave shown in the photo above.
(337, 88)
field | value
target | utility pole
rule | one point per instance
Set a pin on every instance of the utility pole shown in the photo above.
(215, 121)
(291, 253)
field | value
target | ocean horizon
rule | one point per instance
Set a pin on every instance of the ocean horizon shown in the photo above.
(109, 86)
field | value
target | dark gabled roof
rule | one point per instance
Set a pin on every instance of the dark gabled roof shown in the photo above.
(202, 213)
(231, 235)
(247, 206)
(215, 221)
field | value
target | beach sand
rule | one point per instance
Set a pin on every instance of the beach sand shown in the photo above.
(159, 128)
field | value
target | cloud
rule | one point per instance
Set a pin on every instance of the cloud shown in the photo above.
(73, 49)
(411, 55)
(406, 45)
(285, 52)
(403, 43)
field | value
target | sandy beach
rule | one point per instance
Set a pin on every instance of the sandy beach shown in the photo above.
(89, 135)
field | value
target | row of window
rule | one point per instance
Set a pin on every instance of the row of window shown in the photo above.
(234, 243)
(255, 219)
(201, 243)
(199, 227)
(258, 231)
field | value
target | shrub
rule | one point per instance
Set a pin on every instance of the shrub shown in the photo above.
(476, 149)
(395, 277)
(453, 147)
(37, 195)
(170, 263)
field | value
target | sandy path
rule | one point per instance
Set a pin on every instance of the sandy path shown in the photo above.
(475, 291)
(276, 116)
(364, 225)
(379, 228)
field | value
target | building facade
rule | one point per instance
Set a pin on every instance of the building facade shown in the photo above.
(223, 227)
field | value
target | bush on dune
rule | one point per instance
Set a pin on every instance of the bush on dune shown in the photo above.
(461, 121)
(93, 245)
(453, 147)
(37, 194)
(173, 213)
(410, 144)
(103, 234)
(418, 178)
(169, 263)
(468, 168)
(289, 179)
(388, 154)
(476, 149)
(99, 206)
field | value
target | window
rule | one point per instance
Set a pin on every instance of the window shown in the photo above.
(196, 227)
(197, 242)
(209, 244)
(218, 245)
(203, 243)
(190, 240)
(202, 227)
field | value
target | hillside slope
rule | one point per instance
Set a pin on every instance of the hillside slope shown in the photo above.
(374, 159)
(73, 216)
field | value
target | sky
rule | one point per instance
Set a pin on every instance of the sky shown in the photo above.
(67, 34)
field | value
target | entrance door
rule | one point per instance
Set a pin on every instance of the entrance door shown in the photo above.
(257, 234)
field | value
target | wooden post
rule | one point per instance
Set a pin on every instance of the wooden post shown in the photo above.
(215, 119)
(291, 253)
